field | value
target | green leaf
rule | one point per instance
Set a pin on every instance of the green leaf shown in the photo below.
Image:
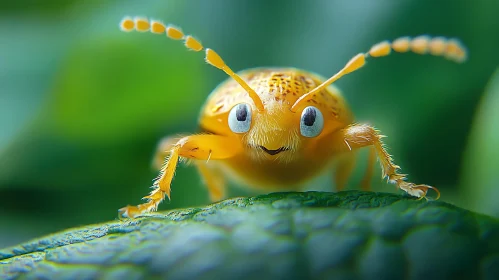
(277, 236)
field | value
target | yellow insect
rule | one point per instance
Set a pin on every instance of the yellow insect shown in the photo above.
(277, 128)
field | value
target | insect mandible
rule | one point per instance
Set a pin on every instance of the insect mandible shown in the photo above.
(277, 128)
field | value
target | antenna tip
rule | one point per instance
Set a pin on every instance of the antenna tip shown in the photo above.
(455, 51)
(127, 24)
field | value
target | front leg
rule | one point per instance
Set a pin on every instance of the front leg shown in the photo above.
(359, 135)
(200, 147)
(163, 149)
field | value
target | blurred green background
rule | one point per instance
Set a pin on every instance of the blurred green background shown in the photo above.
(83, 105)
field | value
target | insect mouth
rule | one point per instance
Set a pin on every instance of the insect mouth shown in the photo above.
(274, 152)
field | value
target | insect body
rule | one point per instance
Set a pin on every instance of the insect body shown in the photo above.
(276, 129)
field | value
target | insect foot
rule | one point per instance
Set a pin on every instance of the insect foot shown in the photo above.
(418, 190)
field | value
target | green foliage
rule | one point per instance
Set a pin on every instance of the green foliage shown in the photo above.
(113, 105)
(479, 170)
(277, 236)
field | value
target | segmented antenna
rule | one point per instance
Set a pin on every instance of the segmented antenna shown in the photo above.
(451, 49)
(140, 24)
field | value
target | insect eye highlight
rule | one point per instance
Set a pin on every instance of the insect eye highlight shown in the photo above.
(311, 122)
(240, 118)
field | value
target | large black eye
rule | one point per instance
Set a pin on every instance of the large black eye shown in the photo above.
(241, 113)
(311, 122)
(309, 116)
(240, 118)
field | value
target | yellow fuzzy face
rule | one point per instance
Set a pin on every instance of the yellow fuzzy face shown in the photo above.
(277, 132)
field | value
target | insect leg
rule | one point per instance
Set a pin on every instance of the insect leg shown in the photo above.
(213, 179)
(366, 180)
(358, 136)
(201, 147)
(163, 150)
